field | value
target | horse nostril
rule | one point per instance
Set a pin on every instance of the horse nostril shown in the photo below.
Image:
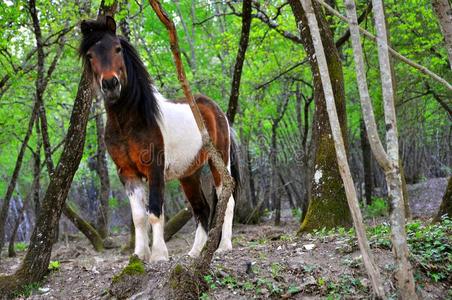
(110, 84)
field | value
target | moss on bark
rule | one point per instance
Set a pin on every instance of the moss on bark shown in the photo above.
(129, 280)
(328, 207)
(328, 203)
(185, 284)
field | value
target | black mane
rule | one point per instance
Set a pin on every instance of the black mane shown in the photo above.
(137, 96)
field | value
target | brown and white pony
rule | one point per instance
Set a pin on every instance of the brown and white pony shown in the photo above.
(152, 139)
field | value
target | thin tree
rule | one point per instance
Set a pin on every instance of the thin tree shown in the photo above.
(341, 153)
(36, 261)
(102, 172)
(445, 209)
(443, 10)
(237, 75)
(42, 80)
(388, 161)
(179, 274)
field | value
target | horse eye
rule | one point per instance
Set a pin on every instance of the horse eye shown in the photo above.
(118, 49)
(89, 56)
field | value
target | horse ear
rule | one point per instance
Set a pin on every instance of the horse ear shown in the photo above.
(85, 27)
(111, 24)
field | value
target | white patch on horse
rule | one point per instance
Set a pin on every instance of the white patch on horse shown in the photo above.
(137, 193)
(159, 250)
(200, 240)
(181, 136)
(226, 236)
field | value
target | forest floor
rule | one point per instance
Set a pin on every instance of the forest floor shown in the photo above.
(266, 262)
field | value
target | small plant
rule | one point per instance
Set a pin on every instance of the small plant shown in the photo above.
(54, 265)
(20, 246)
(27, 290)
(210, 281)
(204, 296)
(115, 229)
(276, 269)
(297, 213)
(229, 281)
(113, 203)
(378, 208)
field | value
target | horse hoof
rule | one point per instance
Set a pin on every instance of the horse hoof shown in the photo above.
(159, 256)
(224, 246)
(193, 254)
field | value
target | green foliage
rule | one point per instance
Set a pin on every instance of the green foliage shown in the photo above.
(431, 248)
(20, 246)
(113, 203)
(54, 265)
(27, 290)
(378, 208)
(135, 267)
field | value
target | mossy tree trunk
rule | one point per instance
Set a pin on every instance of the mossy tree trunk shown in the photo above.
(328, 204)
(446, 205)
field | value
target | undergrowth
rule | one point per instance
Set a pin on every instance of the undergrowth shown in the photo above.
(430, 245)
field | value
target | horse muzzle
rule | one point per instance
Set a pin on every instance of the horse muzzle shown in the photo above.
(110, 88)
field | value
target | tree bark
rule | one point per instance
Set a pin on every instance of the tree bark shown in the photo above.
(443, 11)
(389, 161)
(15, 175)
(404, 273)
(276, 199)
(19, 219)
(102, 172)
(237, 75)
(89, 231)
(446, 205)
(328, 204)
(341, 153)
(367, 164)
(176, 223)
(41, 85)
(36, 261)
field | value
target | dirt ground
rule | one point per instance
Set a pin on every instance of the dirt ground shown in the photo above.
(266, 262)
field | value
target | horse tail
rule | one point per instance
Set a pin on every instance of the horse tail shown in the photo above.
(234, 160)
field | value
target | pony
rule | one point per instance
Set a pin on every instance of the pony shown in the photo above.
(152, 140)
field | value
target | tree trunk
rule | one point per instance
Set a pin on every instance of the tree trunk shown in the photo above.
(328, 205)
(389, 161)
(446, 205)
(341, 153)
(36, 261)
(84, 227)
(404, 273)
(176, 223)
(443, 10)
(102, 171)
(13, 180)
(367, 164)
(19, 219)
(237, 75)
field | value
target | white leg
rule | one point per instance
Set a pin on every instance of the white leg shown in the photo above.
(136, 192)
(200, 240)
(159, 250)
(226, 243)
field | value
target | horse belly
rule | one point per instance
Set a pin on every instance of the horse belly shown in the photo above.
(181, 137)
